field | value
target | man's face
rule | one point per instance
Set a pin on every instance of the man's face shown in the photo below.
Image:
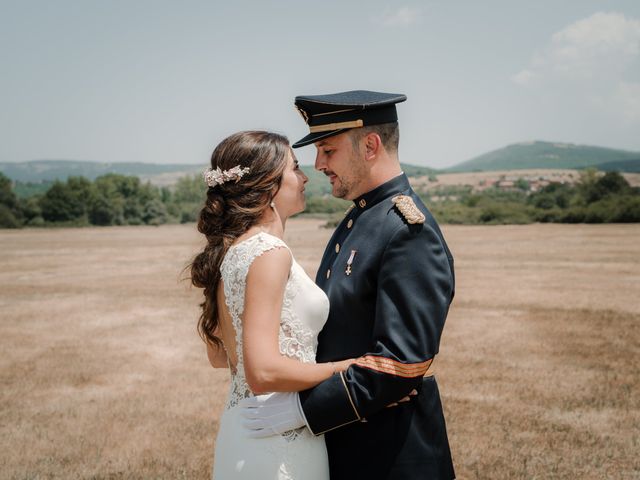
(337, 158)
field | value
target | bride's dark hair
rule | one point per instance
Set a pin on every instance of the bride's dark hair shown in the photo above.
(231, 208)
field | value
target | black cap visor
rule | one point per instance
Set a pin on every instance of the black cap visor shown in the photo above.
(316, 137)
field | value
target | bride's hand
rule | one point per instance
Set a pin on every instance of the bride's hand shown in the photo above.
(342, 365)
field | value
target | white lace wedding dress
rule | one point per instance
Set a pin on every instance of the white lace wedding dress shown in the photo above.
(297, 454)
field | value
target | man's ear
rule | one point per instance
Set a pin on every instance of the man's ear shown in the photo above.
(373, 145)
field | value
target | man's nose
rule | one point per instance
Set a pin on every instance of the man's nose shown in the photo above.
(320, 164)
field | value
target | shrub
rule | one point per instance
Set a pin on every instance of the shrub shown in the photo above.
(68, 201)
(7, 218)
(505, 213)
(326, 204)
(154, 213)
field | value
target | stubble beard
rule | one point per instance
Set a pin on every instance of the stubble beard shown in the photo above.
(343, 190)
(350, 183)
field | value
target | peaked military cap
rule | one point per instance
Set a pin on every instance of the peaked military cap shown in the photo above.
(331, 114)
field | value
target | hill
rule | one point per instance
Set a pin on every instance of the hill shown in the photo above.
(538, 154)
(629, 166)
(47, 170)
(44, 171)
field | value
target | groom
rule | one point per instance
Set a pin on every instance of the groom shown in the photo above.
(389, 277)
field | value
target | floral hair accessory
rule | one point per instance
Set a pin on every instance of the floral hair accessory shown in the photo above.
(218, 177)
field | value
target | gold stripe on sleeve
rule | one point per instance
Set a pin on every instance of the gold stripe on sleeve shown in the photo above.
(393, 367)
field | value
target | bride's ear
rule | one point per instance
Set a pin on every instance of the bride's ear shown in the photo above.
(272, 196)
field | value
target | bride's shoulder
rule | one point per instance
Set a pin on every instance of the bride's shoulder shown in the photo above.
(258, 242)
(271, 263)
(252, 246)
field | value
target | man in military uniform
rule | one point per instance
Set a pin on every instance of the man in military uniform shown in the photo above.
(389, 277)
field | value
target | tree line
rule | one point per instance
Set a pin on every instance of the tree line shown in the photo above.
(111, 199)
(594, 198)
(115, 199)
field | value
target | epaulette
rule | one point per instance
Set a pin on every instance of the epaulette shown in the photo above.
(407, 207)
(351, 207)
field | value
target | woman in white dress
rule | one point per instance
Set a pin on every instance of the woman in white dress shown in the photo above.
(261, 313)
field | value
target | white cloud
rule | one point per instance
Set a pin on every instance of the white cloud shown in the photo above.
(623, 101)
(524, 77)
(402, 17)
(602, 45)
(594, 60)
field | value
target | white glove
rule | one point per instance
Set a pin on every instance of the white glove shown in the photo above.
(272, 414)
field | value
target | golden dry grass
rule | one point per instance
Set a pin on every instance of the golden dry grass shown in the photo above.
(103, 376)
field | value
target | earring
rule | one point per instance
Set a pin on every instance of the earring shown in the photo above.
(272, 205)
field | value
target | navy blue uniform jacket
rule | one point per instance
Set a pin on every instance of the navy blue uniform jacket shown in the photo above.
(390, 284)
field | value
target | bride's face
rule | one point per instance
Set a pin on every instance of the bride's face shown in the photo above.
(290, 197)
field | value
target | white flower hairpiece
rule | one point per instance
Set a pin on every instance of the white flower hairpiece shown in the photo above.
(218, 177)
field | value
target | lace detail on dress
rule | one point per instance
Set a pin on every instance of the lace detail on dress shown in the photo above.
(297, 339)
(234, 270)
(305, 309)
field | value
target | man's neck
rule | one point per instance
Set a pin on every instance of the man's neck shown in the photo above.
(379, 175)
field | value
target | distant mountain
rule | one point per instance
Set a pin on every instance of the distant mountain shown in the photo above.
(540, 154)
(46, 170)
(629, 166)
(159, 174)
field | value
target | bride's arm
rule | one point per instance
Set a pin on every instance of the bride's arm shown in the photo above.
(217, 356)
(265, 368)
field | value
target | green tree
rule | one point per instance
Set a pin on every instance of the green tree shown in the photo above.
(121, 200)
(7, 196)
(522, 184)
(545, 201)
(7, 218)
(10, 214)
(186, 199)
(155, 213)
(190, 189)
(31, 209)
(612, 183)
(104, 211)
(67, 201)
(326, 204)
(627, 210)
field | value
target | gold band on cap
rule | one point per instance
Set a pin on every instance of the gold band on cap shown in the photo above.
(336, 126)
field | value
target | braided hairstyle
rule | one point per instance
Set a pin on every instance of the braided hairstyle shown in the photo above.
(231, 208)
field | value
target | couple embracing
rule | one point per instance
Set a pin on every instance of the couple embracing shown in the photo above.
(330, 379)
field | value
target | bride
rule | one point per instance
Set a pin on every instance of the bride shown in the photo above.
(261, 313)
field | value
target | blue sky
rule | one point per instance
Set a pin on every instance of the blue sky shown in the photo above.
(165, 81)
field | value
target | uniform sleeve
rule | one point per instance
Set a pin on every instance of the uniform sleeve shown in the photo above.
(414, 290)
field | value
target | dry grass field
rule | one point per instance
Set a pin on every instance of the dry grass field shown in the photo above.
(104, 377)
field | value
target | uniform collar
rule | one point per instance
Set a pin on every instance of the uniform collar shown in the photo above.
(397, 184)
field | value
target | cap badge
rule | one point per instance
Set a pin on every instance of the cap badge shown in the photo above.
(303, 114)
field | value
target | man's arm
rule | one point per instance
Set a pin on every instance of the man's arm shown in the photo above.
(414, 290)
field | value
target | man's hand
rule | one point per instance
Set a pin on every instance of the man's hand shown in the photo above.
(272, 414)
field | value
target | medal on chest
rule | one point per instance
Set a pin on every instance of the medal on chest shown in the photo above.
(348, 270)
